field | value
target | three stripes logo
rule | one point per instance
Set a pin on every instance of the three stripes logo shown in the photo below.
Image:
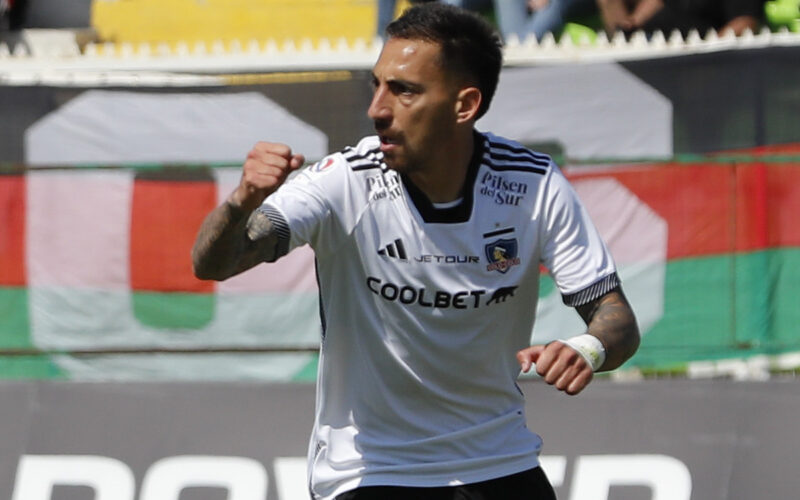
(394, 250)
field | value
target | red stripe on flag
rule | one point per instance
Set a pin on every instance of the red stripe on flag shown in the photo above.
(165, 218)
(714, 209)
(12, 231)
(751, 209)
(783, 205)
(695, 200)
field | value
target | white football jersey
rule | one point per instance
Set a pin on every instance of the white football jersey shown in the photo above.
(424, 309)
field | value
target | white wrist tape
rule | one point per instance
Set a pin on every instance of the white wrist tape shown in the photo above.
(590, 348)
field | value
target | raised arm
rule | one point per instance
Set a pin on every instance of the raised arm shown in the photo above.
(234, 237)
(610, 320)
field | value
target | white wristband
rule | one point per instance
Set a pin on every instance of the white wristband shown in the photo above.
(590, 348)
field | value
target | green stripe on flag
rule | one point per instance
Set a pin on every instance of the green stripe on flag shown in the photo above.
(15, 334)
(733, 305)
(309, 372)
(14, 324)
(173, 309)
(697, 320)
(29, 367)
(784, 298)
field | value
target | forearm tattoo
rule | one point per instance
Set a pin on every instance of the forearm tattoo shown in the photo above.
(230, 241)
(611, 319)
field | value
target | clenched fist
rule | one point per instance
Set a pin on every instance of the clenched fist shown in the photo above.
(267, 166)
(559, 365)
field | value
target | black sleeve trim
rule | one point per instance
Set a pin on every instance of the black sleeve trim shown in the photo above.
(592, 292)
(281, 228)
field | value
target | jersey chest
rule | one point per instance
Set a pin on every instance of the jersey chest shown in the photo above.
(460, 265)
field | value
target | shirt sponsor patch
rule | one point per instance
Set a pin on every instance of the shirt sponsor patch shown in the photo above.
(439, 299)
(501, 190)
(324, 165)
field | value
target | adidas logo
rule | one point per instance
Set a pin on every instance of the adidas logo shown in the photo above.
(394, 250)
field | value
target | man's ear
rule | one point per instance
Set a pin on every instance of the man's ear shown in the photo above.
(467, 104)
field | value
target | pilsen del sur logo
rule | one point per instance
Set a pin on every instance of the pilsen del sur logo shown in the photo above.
(502, 254)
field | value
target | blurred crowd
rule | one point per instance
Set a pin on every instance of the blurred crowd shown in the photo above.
(524, 18)
(531, 18)
(649, 16)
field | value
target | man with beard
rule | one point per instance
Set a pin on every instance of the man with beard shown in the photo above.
(429, 238)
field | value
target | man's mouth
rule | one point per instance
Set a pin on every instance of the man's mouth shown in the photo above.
(388, 143)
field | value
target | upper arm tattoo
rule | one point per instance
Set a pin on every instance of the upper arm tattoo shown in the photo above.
(263, 237)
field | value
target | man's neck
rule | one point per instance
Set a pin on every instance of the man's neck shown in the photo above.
(444, 180)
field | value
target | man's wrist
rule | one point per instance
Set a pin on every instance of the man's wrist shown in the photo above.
(233, 206)
(241, 203)
(590, 348)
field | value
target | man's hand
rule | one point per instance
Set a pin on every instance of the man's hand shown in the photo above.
(266, 168)
(644, 11)
(223, 247)
(558, 364)
(610, 319)
(615, 15)
(738, 25)
(534, 5)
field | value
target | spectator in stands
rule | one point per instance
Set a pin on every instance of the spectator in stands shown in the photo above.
(684, 15)
(12, 15)
(539, 17)
(5, 7)
(524, 18)
(14, 12)
(386, 10)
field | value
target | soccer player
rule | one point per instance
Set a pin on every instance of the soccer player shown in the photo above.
(429, 238)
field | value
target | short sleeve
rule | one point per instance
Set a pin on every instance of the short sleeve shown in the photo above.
(572, 249)
(302, 209)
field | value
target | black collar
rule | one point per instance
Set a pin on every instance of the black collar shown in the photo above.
(460, 212)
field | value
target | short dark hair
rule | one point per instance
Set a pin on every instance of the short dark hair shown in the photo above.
(470, 46)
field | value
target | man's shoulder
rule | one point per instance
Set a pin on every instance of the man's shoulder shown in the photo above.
(503, 154)
(349, 161)
(364, 155)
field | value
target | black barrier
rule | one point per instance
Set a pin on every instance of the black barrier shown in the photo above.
(662, 439)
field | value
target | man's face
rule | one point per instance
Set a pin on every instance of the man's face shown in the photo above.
(414, 104)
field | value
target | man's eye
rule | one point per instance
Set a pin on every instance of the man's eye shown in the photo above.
(399, 89)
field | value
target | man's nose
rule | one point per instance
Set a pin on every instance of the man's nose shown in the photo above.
(379, 109)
